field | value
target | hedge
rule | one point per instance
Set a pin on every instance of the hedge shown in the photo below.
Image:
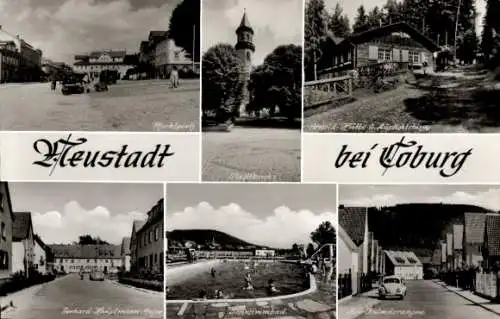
(142, 283)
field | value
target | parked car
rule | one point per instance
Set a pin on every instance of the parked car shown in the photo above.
(73, 84)
(392, 286)
(96, 275)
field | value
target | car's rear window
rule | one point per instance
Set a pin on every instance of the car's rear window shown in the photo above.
(392, 281)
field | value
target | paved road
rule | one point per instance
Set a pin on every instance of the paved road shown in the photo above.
(426, 299)
(252, 155)
(127, 106)
(70, 297)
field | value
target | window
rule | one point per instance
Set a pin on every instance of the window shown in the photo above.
(150, 236)
(3, 230)
(72, 261)
(60, 261)
(384, 55)
(157, 233)
(414, 57)
(1, 201)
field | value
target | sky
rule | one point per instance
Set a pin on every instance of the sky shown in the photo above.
(387, 195)
(275, 215)
(350, 8)
(63, 28)
(63, 211)
(275, 23)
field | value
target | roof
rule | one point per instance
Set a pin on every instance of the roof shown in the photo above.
(40, 242)
(493, 234)
(403, 258)
(367, 35)
(155, 214)
(86, 251)
(244, 24)
(353, 221)
(9, 202)
(474, 228)
(458, 236)
(21, 226)
(125, 248)
(332, 37)
(137, 225)
(97, 54)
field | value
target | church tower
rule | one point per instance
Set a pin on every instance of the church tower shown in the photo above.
(245, 49)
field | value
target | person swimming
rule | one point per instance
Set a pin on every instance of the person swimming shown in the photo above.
(271, 288)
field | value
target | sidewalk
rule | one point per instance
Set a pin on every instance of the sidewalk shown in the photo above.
(475, 299)
(353, 307)
(147, 291)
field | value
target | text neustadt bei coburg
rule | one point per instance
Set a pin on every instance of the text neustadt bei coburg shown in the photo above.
(69, 153)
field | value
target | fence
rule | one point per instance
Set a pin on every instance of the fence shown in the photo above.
(485, 284)
(327, 90)
(353, 285)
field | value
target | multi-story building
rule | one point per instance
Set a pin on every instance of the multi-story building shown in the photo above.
(20, 60)
(23, 243)
(74, 258)
(150, 240)
(6, 220)
(125, 253)
(42, 256)
(9, 61)
(134, 244)
(96, 61)
(168, 56)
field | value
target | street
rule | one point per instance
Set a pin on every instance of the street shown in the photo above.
(149, 105)
(461, 103)
(70, 297)
(252, 154)
(426, 299)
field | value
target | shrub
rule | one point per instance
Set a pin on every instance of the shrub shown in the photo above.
(141, 283)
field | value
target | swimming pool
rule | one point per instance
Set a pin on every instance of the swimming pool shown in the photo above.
(229, 277)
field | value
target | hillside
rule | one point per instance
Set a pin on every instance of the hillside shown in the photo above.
(416, 226)
(206, 236)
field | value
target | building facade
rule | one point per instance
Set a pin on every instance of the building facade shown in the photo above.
(41, 256)
(19, 60)
(397, 43)
(245, 49)
(9, 61)
(491, 248)
(134, 244)
(169, 56)
(87, 258)
(96, 61)
(23, 243)
(6, 221)
(404, 264)
(473, 239)
(125, 253)
(264, 253)
(149, 239)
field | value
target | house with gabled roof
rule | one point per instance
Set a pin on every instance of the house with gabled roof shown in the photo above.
(397, 42)
(404, 264)
(87, 258)
(23, 243)
(42, 256)
(473, 238)
(352, 246)
(134, 243)
(491, 247)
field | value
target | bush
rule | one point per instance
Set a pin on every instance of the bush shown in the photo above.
(155, 285)
(19, 281)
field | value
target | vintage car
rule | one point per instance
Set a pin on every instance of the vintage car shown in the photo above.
(96, 275)
(391, 286)
(73, 84)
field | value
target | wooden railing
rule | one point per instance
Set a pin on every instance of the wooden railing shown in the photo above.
(327, 90)
(386, 68)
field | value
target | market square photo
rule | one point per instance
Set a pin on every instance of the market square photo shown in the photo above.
(251, 250)
(419, 251)
(401, 66)
(251, 90)
(81, 250)
(112, 65)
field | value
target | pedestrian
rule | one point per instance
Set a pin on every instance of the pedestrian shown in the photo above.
(53, 84)
(174, 77)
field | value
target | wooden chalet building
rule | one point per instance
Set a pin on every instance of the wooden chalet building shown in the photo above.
(398, 44)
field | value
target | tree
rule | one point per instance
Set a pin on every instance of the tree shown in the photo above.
(491, 40)
(324, 234)
(276, 85)
(339, 23)
(375, 18)
(314, 33)
(184, 27)
(361, 20)
(296, 249)
(221, 82)
(310, 250)
(392, 12)
(89, 240)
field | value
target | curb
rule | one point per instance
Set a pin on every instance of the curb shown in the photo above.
(151, 292)
(466, 298)
(364, 310)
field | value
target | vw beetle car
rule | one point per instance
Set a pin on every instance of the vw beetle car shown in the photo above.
(392, 286)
